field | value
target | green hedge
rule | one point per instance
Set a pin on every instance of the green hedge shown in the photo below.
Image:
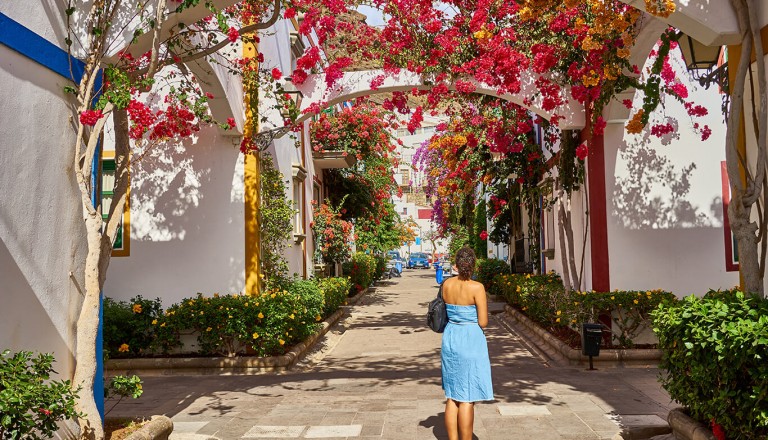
(128, 329)
(488, 270)
(264, 325)
(715, 352)
(334, 291)
(360, 269)
(381, 266)
(543, 299)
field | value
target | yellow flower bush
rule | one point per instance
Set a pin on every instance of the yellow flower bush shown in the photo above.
(267, 324)
(543, 299)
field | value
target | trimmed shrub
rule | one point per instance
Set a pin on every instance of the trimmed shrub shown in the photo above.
(714, 355)
(487, 270)
(360, 270)
(334, 291)
(128, 329)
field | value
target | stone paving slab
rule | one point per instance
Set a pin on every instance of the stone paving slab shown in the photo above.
(376, 375)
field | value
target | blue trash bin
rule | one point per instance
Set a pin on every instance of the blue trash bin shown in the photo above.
(438, 272)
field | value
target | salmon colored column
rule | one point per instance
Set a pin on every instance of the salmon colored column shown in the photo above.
(601, 276)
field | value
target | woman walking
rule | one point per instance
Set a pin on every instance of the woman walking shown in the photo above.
(465, 364)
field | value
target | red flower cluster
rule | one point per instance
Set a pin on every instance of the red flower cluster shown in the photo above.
(233, 34)
(141, 118)
(582, 151)
(660, 130)
(90, 117)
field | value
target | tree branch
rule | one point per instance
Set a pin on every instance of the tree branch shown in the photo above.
(159, 18)
(215, 48)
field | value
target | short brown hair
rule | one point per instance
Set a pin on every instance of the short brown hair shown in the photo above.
(465, 261)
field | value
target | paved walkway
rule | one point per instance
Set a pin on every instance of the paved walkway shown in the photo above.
(376, 375)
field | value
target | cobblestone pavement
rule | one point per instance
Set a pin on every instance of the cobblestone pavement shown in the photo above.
(376, 375)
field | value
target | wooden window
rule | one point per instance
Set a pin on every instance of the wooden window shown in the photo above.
(122, 245)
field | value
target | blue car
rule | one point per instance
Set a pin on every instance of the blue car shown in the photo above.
(418, 259)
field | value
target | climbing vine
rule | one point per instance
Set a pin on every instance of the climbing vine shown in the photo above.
(275, 226)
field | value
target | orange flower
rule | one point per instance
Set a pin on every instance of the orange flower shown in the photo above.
(635, 125)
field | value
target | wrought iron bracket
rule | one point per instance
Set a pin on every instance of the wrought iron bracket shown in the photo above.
(265, 138)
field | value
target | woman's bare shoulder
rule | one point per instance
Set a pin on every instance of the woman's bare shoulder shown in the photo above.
(476, 285)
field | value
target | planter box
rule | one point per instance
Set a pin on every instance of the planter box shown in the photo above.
(332, 159)
(685, 428)
(559, 351)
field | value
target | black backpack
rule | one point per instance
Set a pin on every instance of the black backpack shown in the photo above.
(437, 315)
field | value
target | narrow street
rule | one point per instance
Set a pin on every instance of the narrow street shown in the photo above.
(376, 375)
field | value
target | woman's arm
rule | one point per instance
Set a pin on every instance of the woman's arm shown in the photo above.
(481, 302)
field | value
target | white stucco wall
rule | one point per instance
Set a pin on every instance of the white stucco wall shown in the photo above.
(42, 239)
(581, 249)
(664, 201)
(187, 207)
(187, 222)
(287, 151)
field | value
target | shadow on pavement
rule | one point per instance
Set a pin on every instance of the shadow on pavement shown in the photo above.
(387, 355)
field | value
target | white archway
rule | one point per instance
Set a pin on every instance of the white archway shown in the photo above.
(711, 22)
(357, 84)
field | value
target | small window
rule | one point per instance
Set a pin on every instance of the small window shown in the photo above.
(405, 174)
(121, 247)
(299, 175)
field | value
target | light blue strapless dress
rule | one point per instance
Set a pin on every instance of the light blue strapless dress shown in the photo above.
(464, 357)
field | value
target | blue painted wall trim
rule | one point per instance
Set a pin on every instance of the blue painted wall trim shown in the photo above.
(38, 49)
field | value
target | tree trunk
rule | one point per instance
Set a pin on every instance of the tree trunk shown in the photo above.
(568, 226)
(87, 330)
(563, 250)
(744, 196)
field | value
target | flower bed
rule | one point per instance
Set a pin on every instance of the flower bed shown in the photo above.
(543, 299)
(225, 325)
(488, 270)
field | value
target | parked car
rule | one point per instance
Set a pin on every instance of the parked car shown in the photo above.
(394, 264)
(393, 255)
(418, 259)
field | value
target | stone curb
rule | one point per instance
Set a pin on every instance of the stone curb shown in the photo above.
(159, 428)
(559, 351)
(685, 428)
(193, 366)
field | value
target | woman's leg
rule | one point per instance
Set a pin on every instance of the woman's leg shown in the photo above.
(466, 420)
(452, 419)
